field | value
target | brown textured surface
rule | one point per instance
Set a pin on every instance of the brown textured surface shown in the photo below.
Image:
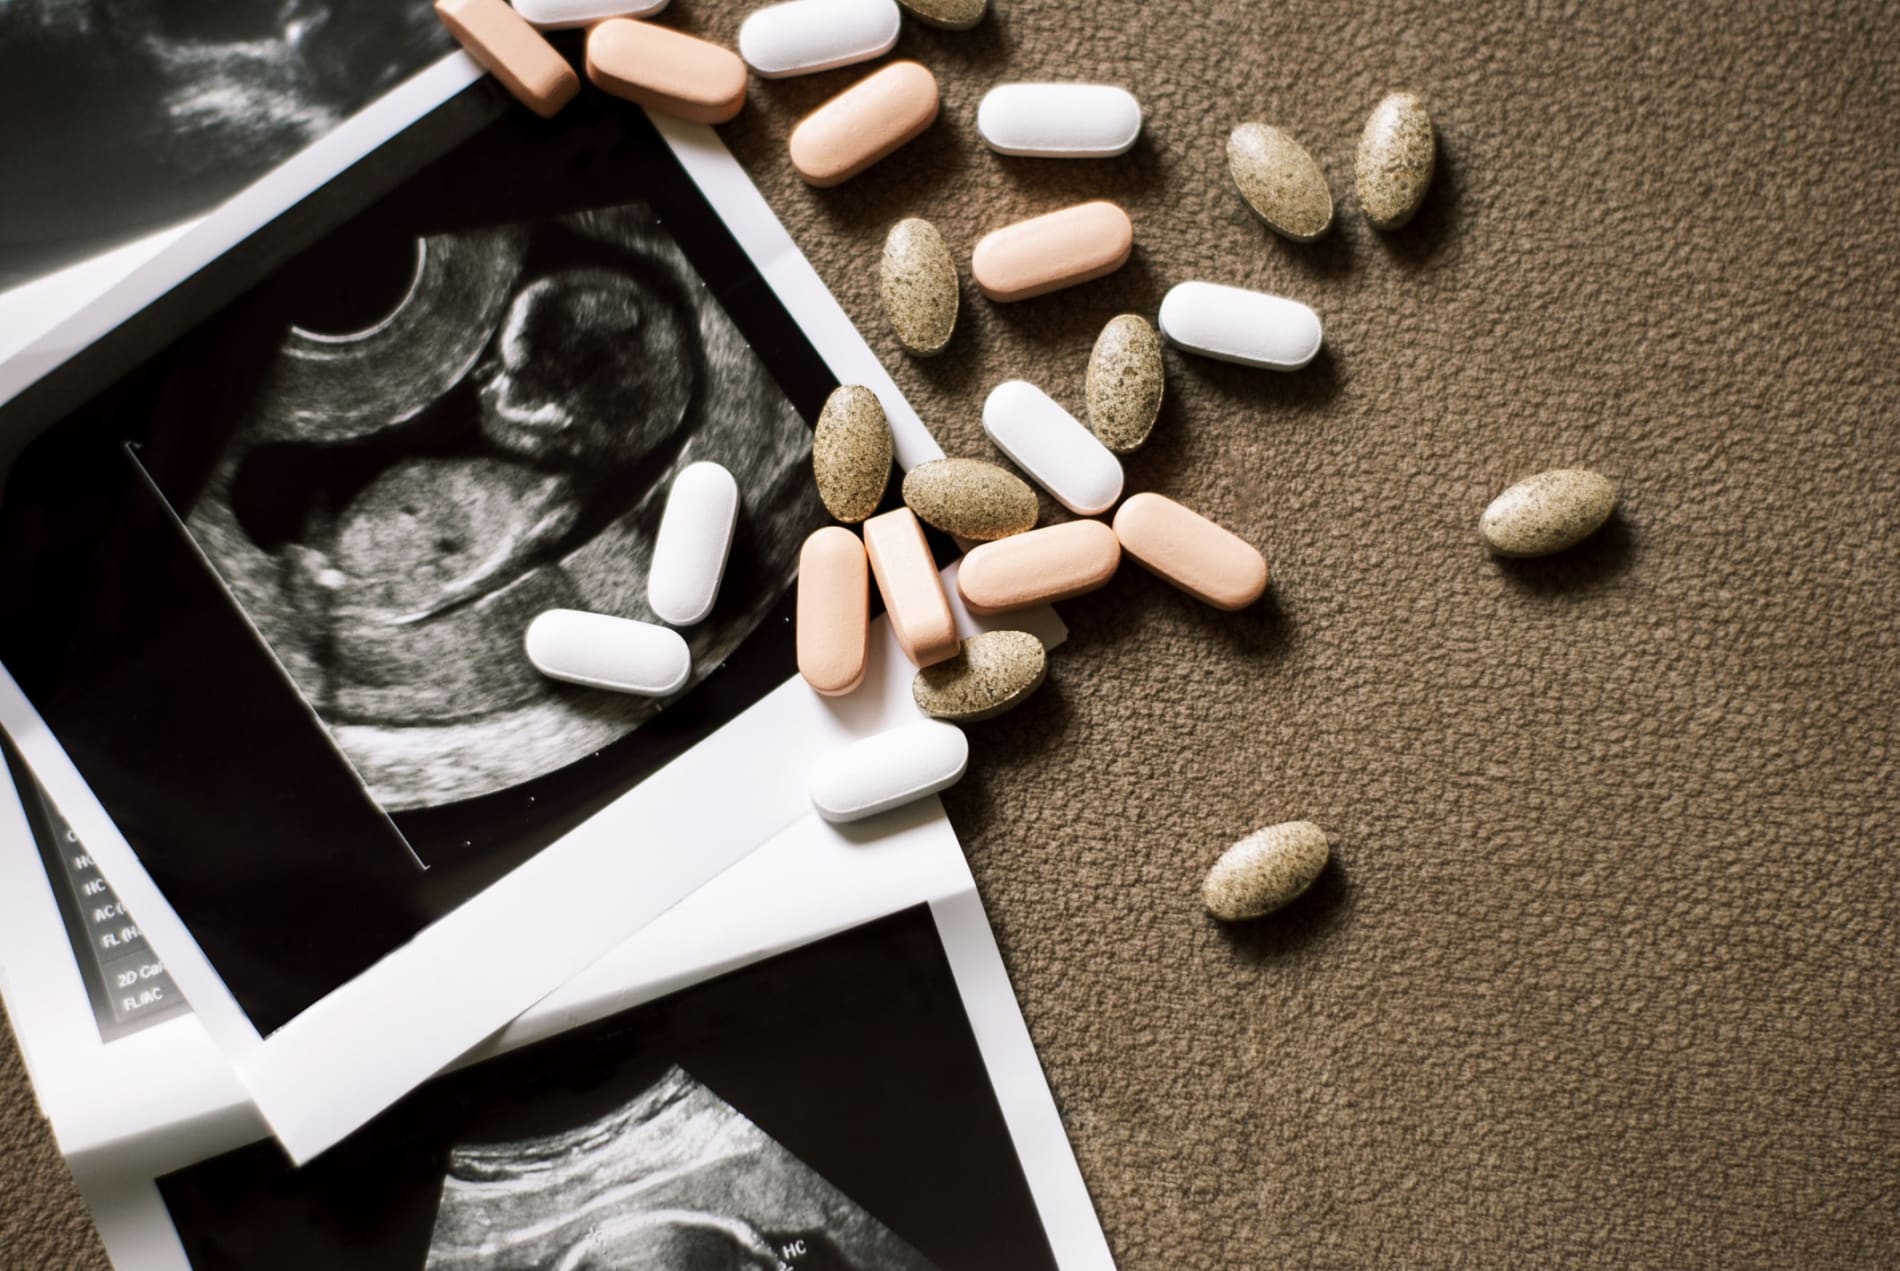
(1603, 971)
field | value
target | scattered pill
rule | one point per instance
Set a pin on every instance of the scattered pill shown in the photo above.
(1208, 562)
(1049, 252)
(917, 284)
(1280, 181)
(1059, 121)
(990, 674)
(689, 553)
(1056, 562)
(889, 769)
(666, 70)
(512, 51)
(834, 610)
(1397, 153)
(602, 651)
(951, 15)
(1048, 443)
(912, 589)
(555, 15)
(1548, 512)
(1265, 870)
(1233, 324)
(851, 453)
(1125, 382)
(803, 36)
(970, 498)
(864, 123)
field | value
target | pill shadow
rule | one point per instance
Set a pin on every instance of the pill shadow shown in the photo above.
(1244, 389)
(960, 365)
(1049, 184)
(1003, 744)
(1316, 914)
(1077, 314)
(1592, 565)
(948, 53)
(1415, 245)
(1330, 257)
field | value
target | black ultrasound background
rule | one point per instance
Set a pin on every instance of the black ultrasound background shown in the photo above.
(854, 1053)
(262, 838)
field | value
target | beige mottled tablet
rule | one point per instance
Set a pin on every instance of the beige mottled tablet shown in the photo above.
(834, 610)
(864, 123)
(666, 70)
(1047, 253)
(1208, 562)
(1057, 562)
(913, 592)
(512, 51)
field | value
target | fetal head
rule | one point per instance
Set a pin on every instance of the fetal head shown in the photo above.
(590, 367)
(670, 1241)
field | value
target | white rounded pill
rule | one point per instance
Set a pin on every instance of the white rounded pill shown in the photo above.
(1237, 325)
(803, 36)
(1053, 447)
(689, 555)
(602, 651)
(889, 769)
(555, 15)
(1059, 121)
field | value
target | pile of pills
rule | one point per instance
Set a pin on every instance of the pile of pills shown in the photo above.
(1013, 564)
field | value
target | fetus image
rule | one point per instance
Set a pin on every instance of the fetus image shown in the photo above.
(401, 496)
(676, 1179)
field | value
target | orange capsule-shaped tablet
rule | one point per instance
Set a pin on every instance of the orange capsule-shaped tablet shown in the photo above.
(834, 610)
(1056, 562)
(512, 51)
(666, 70)
(864, 123)
(913, 593)
(1190, 551)
(1047, 253)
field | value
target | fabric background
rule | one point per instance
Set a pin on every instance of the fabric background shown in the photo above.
(1604, 970)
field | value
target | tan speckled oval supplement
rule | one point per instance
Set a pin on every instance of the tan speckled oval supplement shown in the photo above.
(512, 51)
(1046, 253)
(990, 674)
(851, 451)
(970, 498)
(1056, 562)
(951, 15)
(1125, 382)
(1265, 870)
(864, 123)
(666, 70)
(1397, 153)
(917, 285)
(1208, 561)
(834, 610)
(1548, 512)
(1280, 181)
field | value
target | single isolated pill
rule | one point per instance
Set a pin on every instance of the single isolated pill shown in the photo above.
(1047, 253)
(1548, 513)
(1053, 447)
(602, 651)
(803, 36)
(907, 578)
(689, 553)
(866, 122)
(834, 610)
(512, 51)
(556, 15)
(1059, 121)
(1267, 869)
(1210, 563)
(889, 769)
(666, 70)
(1233, 324)
(1056, 562)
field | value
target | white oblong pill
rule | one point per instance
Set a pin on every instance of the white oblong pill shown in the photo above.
(554, 15)
(803, 36)
(1059, 121)
(689, 555)
(602, 651)
(1053, 447)
(1237, 325)
(889, 769)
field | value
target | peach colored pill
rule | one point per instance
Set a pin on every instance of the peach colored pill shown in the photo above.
(666, 70)
(512, 51)
(1057, 562)
(913, 593)
(834, 611)
(1048, 253)
(864, 123)
(1190, 551)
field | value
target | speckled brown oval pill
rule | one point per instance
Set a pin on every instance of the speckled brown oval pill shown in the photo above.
(512, 51)
(970, 498)
(991, 673)
(864, 123)
(1046, 253)
(1397, 153)
(666, 70)
(851, 451)
(951, 15)
(1280, 181)
(1125, 382)
(1548, 512)
(1265, 870)
(917, 285)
